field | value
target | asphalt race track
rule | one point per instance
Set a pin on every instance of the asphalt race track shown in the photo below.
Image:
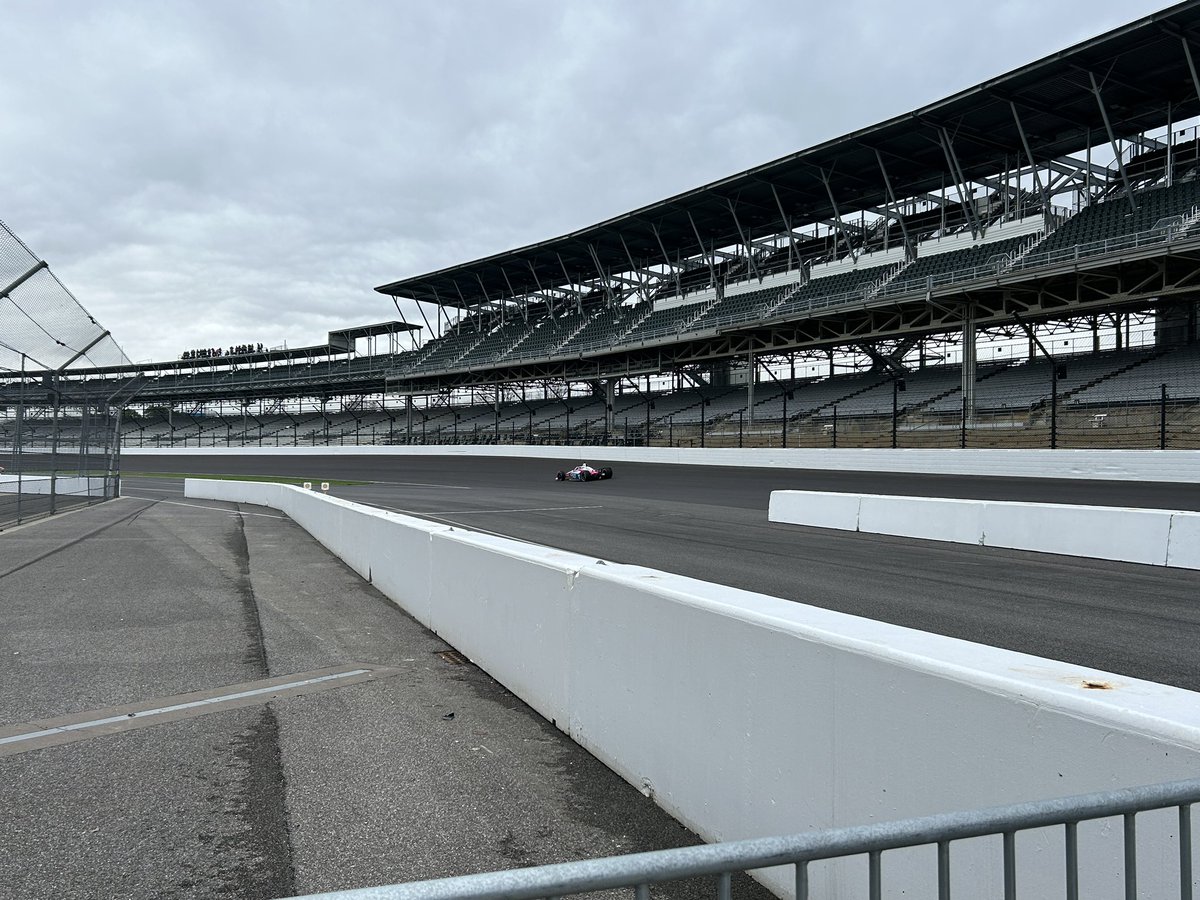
(711, 523)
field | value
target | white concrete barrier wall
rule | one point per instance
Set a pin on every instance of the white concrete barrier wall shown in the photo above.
(1151, 536)
(74, 485)
(745, 715)
(1121, 465)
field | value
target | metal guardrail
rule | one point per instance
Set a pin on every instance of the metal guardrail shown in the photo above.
(640, 870)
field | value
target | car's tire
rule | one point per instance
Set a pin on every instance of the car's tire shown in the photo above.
(606, 472)
(560, 476)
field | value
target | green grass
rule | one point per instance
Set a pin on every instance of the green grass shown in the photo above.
(274, 479)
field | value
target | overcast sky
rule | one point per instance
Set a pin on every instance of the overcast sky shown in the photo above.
(204, 174)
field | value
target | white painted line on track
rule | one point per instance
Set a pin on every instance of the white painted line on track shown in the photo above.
(452, 487)
(471, 512)
(52, 732)
(178, 707)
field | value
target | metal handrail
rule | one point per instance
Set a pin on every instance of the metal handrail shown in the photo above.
(639, 870)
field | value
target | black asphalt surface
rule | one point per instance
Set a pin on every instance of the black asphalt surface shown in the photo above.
(711, 523)
(431, 770)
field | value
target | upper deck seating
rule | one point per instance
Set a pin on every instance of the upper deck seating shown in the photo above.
(975, 261)
(602, 329)
(548, 335)
(850, 284)
(662, 323)
(1115, 217)
(742, 307)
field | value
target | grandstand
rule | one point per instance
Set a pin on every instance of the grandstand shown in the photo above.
(884, 265)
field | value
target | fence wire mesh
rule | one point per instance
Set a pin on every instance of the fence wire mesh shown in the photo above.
(59, 445)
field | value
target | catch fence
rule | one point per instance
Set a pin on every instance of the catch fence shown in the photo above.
(56, 457)
(59, 442)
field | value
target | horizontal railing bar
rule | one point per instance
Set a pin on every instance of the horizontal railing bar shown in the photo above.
(714, 859)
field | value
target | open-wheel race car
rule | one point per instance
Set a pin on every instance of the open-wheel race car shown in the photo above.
(584, 472)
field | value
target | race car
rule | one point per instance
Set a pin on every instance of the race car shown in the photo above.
(584, 472)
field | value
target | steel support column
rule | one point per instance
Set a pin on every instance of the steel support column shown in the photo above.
(887, 183)
(1187, 52)
(712, 272)
(750, 386)
(966, 199)
(793, 251)
(969, 361)
(549, 298)
(1037, 182)
(745, 242)
(675, 269)
(570, 284)
(604, 280)
(837, 216)
(1112, 139)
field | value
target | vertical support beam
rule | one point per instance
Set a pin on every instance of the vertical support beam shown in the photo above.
(887, 182)
(750, 385)
(1170, 143)
(1037, 182)
(547, 297)
(570, 284)
(837, 216)
(633, 267)
(745, 241)
(1112, 139)
(604, 280)
(610, 398)
(1187, 52)
(428, 327)
(793, 250)
(956, 172)
(512, 293)
(666, 257)
(969, 361)
(712, 272)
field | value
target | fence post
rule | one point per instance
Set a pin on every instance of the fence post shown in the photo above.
(741, 426)
(701, 421)
(54, 445)
(671, 431)
(784, 426)
(1162, 419)
(1054, 404)
(895, 409)
(835, 426)
(962, 438)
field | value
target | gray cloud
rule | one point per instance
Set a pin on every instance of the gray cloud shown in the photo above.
(213, 173)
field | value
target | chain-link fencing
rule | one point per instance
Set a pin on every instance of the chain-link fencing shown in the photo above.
(59, 441)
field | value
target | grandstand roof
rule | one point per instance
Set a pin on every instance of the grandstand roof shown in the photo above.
(1139, 68)
(377, 330)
